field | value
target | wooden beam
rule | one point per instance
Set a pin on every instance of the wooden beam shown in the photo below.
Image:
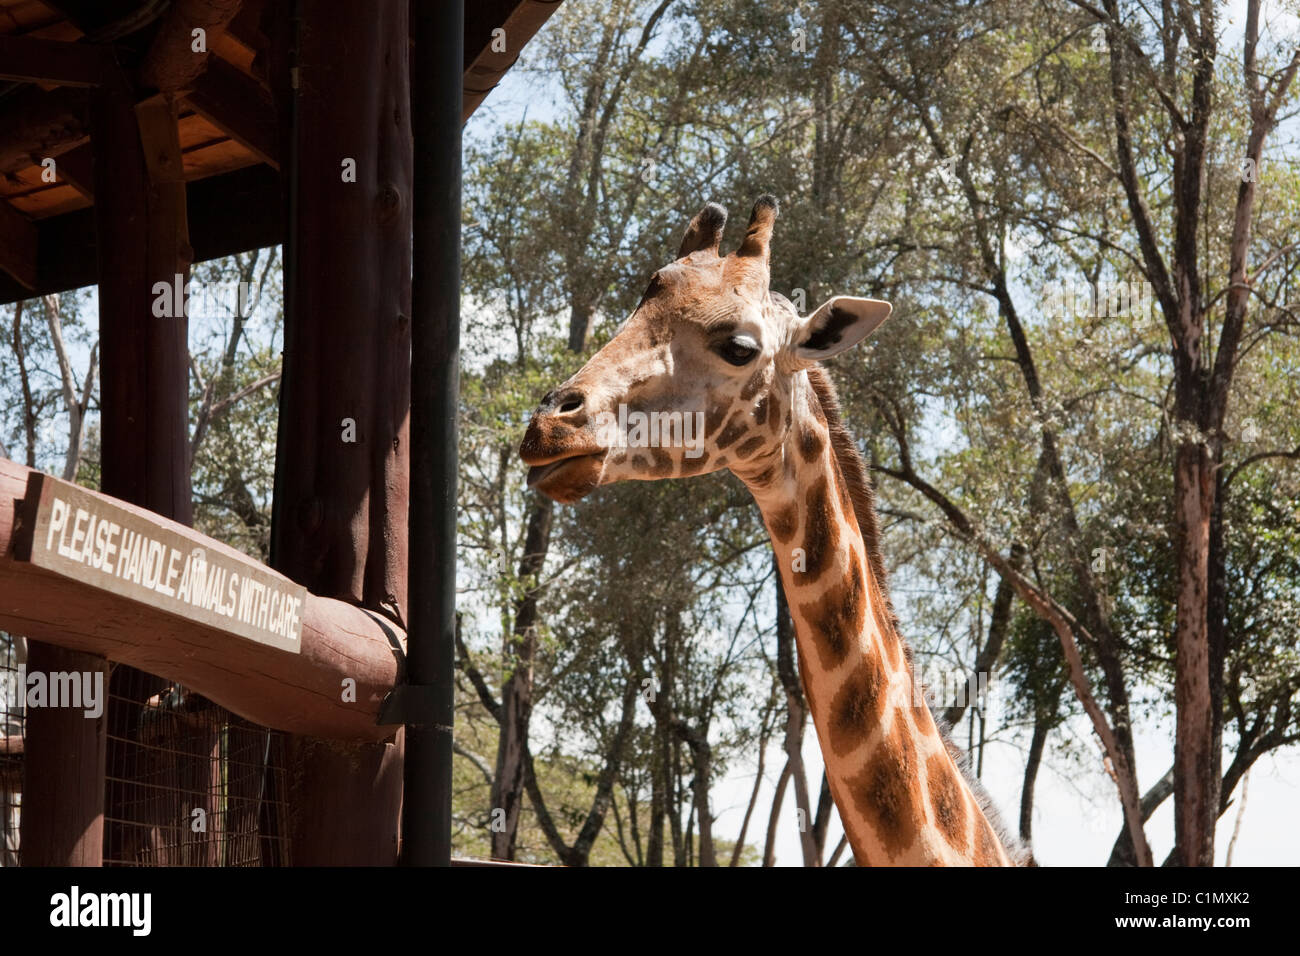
(172, 63)
(240, 107)
(19, 240)
(33, 60)
(299, 693)
(484, 65)
(76, 167)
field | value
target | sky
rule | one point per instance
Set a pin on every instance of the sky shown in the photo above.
(1076, 811)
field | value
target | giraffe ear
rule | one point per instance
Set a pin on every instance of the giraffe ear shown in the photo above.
(838, 324)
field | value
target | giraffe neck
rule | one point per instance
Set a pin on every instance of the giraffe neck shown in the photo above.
(900, 794)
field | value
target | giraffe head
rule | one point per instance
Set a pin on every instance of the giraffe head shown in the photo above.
(701, 376)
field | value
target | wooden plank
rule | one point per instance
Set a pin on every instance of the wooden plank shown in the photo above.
(240, 107)
(26, 59)
(484, 66)
(32, 16)
(49, 201)
(140, 557)
(33, 192)
(234, 51)
(76, 167)
(18, 245)
(298, 693)
(223, 156)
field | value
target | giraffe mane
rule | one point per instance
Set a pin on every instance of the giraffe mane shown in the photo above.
(853, 472)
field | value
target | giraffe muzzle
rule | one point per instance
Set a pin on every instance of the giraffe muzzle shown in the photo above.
(568, 479)
(566, 462)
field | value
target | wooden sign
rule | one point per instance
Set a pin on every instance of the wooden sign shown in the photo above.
(108, 544)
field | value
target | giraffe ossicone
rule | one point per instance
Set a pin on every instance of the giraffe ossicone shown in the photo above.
(710, 339)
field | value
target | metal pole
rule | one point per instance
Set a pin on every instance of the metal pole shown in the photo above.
(437, 77)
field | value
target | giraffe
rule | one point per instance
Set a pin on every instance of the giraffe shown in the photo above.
(709, 343)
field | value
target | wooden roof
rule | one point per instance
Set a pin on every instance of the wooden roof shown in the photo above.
(52, 50)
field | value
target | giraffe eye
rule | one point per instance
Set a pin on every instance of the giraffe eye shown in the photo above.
(738, 351)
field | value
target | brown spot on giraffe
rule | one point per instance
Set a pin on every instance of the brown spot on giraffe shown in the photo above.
(806, 682)
(783, 522)
(749, 446)
(838, 616)
(856, 706)
(821, 536)
(715, 412)
(811, 444)
(893, 648)
(946, 801)
(988, 850)
(753, 385)
(735, 428)
(847, 507)
(887, 791)
(663, 463)
(774, 413)
(693, 466)
(814, 406)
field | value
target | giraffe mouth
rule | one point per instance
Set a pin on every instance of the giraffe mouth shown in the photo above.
(568, 479)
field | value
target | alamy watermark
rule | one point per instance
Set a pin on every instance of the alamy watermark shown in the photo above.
(78, 690)
(629, 429)
(1103, 299)
(199, 299)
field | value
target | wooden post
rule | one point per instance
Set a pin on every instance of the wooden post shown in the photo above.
(144, 403)
(341, 470)
(143, 240)
(63, 767)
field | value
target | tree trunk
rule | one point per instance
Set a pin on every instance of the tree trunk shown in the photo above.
(763, 739)
(1195, 782)
(795, 724)
(702, 762)
(654, 855)
(1036, 745)
(521, 648)
(517, 690)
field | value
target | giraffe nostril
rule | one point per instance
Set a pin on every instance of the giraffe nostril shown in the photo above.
(570, 405)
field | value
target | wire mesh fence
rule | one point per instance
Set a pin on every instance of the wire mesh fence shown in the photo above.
(13, 657)
(187, 783)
